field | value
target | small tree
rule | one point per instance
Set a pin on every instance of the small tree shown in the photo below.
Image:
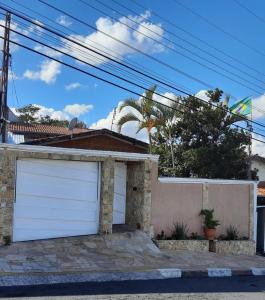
(28, 113)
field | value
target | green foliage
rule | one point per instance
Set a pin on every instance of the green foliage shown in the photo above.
(29, 114)
(144, 113)
(196, 236)
(179, 231)
(203, 141)
(161, 236)
(232, 233)
(209, 221)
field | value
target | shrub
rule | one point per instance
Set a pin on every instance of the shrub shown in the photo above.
(196, 236)
(161, 236)
(231, 233)
(179, 231)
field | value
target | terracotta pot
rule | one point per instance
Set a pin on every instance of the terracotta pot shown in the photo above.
(210, 233)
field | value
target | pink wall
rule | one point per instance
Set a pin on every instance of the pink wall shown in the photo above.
(183, 202)
(231, 206)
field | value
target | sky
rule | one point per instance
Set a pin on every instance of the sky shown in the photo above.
(216, 44)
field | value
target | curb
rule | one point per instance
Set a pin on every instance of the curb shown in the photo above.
(156, 274)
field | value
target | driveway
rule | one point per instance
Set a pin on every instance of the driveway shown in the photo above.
(130, 251)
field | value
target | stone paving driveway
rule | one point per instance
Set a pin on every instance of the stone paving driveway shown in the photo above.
(129, 251)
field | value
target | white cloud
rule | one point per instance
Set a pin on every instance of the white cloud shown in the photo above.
(202, 94)
(73, 86)
(258, 147)
(49, 70)
(48, 51)
(67, 113)
(129, 128)
(258, 107)
(121, 32)
(78, 109)
(64, 20)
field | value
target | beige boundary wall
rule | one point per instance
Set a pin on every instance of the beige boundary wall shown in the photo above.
(139, 171)
(181, 200)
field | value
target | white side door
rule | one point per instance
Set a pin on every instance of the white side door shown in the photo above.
(119, 204)
(55, 198)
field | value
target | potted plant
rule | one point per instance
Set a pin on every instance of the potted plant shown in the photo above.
(210, 223)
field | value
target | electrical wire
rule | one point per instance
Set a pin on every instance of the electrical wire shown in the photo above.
(219, 28)
(118, 85)
(243, 118)
(166, 20)
(153, 32)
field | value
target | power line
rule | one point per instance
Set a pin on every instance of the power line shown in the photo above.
(114, 60)
(250, 11)
(129, 46)
(118, 85)
(146, 54)
(146, 70)
(219, 28)
(179, 46)
(198, 39)
(44, 27)
(174, 43)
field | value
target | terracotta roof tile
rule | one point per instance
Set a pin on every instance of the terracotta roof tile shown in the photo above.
(41, 128)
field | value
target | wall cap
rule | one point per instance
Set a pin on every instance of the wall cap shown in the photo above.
(74, 151)
(204, 180)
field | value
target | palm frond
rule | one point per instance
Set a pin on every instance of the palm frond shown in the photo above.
(127, 118)
(131, 103)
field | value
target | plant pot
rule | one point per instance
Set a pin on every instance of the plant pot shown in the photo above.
(210, 233)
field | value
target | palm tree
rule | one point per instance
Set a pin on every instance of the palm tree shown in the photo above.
(143, 111)
(169, 116)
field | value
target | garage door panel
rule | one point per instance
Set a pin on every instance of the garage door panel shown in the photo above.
(33, 234)
(53, 167)
(87, 214)
(55, 203)
(53, 224)
(56, 188)
(55, 199)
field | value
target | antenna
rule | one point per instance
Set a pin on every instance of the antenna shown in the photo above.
(72, 125)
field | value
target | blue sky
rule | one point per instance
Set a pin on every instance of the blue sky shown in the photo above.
(52, 92)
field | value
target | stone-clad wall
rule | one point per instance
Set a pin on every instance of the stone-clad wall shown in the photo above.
(138, 204)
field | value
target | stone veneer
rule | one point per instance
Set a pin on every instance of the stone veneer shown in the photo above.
(138, 209)
(235, 247)
(138, 203)
(190, 245)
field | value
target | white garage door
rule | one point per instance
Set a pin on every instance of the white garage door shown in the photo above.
(55, 199)
(119, 204)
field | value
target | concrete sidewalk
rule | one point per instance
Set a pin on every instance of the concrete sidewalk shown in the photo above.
(119, 256)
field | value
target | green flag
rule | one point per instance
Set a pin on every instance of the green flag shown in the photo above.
(242, 107)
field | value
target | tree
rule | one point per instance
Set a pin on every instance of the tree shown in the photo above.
(205, 142)
(142, 111)
(28, 113)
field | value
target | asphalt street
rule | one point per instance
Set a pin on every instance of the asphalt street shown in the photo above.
(182, 285)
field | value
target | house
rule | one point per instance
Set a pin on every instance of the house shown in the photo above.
(258, 163)
(23, 132)
(98, 139)
(50, 192)
(55, 136)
